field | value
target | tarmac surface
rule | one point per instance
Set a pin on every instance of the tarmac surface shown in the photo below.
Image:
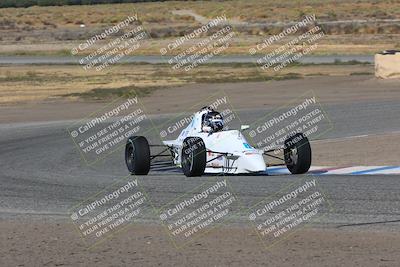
(43, 173)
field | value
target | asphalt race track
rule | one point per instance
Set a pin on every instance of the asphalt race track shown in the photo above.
(42, 173)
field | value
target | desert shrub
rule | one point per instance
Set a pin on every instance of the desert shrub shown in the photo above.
(28, 3)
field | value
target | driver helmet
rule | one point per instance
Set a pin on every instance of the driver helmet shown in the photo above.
(212, 122)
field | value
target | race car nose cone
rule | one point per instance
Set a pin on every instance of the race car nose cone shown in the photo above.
(252, 162)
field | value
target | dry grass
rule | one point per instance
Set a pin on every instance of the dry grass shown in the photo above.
(96, 15)
(239, 46)
(55, 30)
(50, 82)
(248, 10)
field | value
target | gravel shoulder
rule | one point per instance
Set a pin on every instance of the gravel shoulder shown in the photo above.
(31, 243)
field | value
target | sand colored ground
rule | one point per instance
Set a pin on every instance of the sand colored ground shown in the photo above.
(32, 83)
(32, 243)
(380, 149)
(345, 89)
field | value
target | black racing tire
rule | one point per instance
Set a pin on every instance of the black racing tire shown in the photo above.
(137, 155)
(194, 157)
(297, 154)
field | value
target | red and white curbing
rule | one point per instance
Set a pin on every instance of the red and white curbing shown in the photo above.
(345, 170)
(316, 170)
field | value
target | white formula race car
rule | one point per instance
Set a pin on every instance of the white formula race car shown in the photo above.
(204, 146)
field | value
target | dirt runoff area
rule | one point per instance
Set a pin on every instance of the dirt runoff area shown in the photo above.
(31, 243)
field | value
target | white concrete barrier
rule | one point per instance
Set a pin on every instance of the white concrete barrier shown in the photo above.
(387, 65)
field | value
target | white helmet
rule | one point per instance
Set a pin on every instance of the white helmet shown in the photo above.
(212, 121)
